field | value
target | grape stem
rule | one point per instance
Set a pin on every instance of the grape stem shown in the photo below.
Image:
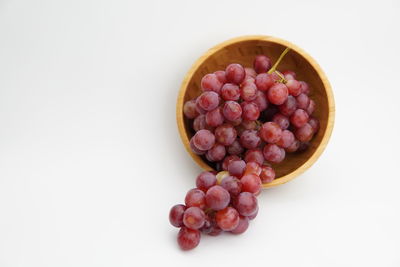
(279, 60)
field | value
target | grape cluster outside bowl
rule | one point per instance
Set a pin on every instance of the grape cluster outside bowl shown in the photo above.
(243, 50)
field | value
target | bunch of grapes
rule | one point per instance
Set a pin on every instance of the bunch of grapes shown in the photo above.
(244, 120)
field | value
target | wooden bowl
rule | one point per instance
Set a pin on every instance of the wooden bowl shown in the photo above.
(243, 50)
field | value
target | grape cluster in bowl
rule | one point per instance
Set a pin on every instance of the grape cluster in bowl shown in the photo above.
(245, 120)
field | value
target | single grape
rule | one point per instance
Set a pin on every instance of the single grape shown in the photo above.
(194, 217)
(215, 117)
(294, 87)
(228, 160)
(302, 101)
(235, 73)
(216, 153)
(251, 183)
(225, 134)
(176, 215)
(208, 100)
(299, 118)
(242, 226)
(246, 204)
(250, 139)
(195, 149)
(261, 101)
(304, 133)
(230, 91)
(227, 219)
(278, 94)
(236, 168)
(289, 106)
(232, 110)
(199, 109)
(293, 147)
(249, 125)
(248, 91)
(303, 146)
(305, 89)
(273, 153)
(255, 155)
(188, 238)
(203, 140)
(232, 185)
(250, 72)
(261, 63)
(289, 75)
(270, 132)
(254, 215)
(210, 82)
(217, 198)
(286, 140)
(221, 76)
(264, 81)
(199, 123)
(311, 107)
(235, 148)
(250, 111)
(281, 120)
(195, 198)
(314, 124)
(267, 174)
(205, 180)
(253, 167)
(189, 109)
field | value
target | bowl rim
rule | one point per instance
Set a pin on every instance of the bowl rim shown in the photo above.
(328, 89)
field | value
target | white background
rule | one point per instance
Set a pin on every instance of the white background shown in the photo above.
(91, 161)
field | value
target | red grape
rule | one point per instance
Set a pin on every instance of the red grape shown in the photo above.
(281, 120)
(254, 215)
(210, 82)
(289, 106)
(176, 215)
(299, 118)
(261, 101)
(250, 72)
(250, 139)
(303, 146)
(235, 148)
(286, 140)
(235, 73)
(193, 217)
(294, 87)
(199, 123)
(230, 91)
(203, 140)
(270, 132)
(232, 185)
(261, 63)
(304, 133)
(251, 183)
(273, 153)
(305, 89)
(216, 153)
(210, 226)
(221, 76)
(205, 180)
(217, 198)
(314, 124)
(228, 160)
(188, 238)
(236, 167)
(227, 219)
(289, 75)
(246, 204)
(208, 100)
(232, 110)
(303, 101)
(278, 94)
(311, 107)
(255, 155)
(189, 109)
(248, 91)
(242, 226)
(195, 198)
(250, 111)
(293, 147)
(249, 125)
(225, 134)
(195, 149)
(264, 81)
(267, 174)
(199, 109)
(215, 117)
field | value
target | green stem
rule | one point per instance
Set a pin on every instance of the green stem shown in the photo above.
(279, 60)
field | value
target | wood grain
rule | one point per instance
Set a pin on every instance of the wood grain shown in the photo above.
(243, 50)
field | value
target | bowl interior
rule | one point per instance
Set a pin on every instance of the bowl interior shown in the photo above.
(244, 52)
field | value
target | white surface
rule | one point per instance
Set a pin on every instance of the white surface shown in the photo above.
(91, 161)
